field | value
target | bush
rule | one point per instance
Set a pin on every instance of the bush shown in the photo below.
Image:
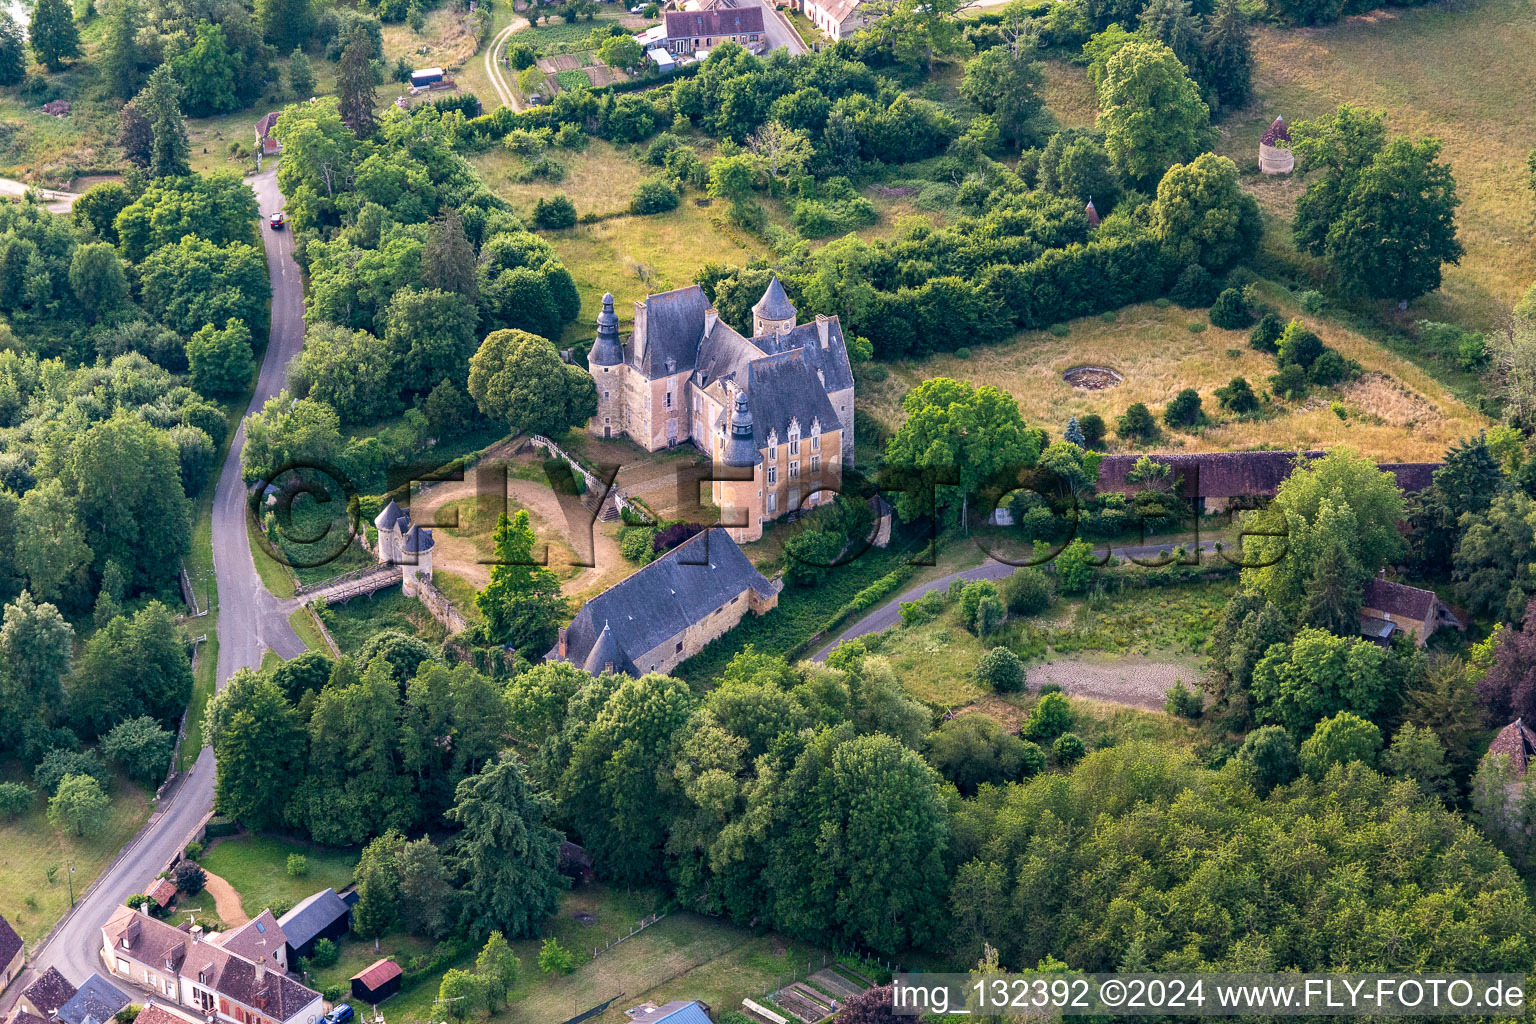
(1300, 345)
(1237, 396)
(637, 543)
(1183, 702)
(325, 954)
(1046, 688)
(1068, 749)
(554, 213)
(1136, 424)
(991, 613)
(298, 865)
(1184, 409)
(653, 196)
(15, 800)
(1093, 428)
(1230, 311)
(1195, 288)
(194, 851)
(1051, 717)
(1265, 336)
(1313, 302)
(972, 595)
(189, 877)
(1028, 591)
(59, 762)
(1001, 671)
(1331, 368)
(1291, 382)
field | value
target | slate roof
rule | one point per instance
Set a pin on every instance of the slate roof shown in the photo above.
(378, 973)
(673, 328)
(1242, 474)
(721, 21)
(1400, 599)
(1412, 476)
(662, 599)
(774, 305)
(1516, 741)
(149, 941)
(312, 916)
(258, 937)
(784, 387)
(606, 349)
(605, 653)
(723, 355)
(49, 992)
(10, 942)
(97, 1000)
(276, 994)
(419, 540)
(391, 515)
(832, 361)
(23, 1017)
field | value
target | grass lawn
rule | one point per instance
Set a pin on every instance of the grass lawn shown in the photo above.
(1069, 95)
(1395, 412)
(460, 591)
(354, 622)
(275, 576)
(35, 858)
(303, 622)
(554, 35)
(205, 674)
(257, 867)
(1462, 73)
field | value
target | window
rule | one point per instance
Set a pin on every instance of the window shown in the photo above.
(815, 463)
(679, 647)
(773, 452)
(605, 394)
(794, 440)
(773, 475)
(669, 399)
(773, 501)
(735, 599)
(794, 470)
(815, 442)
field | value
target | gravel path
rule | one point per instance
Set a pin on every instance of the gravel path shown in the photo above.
(225, 900)
(1141, 684)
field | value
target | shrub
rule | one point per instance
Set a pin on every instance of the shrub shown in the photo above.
(189, 877)
(991, 613)
(555, 958)
(1195, 287)
(1001, 671)
(58, 762)
(1028, 591)
(298, 865)
(1313, 302)
(15, 799)
(1331, 368)
(1237, 396)
(924, 609)
(1093, 428)
(962, 353)
(1183, 702)
(1265, 336)
(1184, 409)
(554, 213)
(325, 954)
(1230, 311)
(653, 196)
(1060, 330)
(637, 543)
(194, 851)
(1046, 688)
(1068, 749)
(1136, 424)
(1290, 382)
(972, 595)
(1271, 758)
(1051, 717)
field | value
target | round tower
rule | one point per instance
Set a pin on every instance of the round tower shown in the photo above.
(606, 362)
(1275, 149)
(773, 312)
(742, 456)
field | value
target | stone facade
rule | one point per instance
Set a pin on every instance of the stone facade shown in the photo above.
(405, 544)
(682, 372)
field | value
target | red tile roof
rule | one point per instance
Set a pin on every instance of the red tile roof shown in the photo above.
(378, 973)
(1515, 741)
(163, 892)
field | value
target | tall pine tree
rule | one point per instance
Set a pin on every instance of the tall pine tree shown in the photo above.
(355, 83)
(1227, 56)
(53, 33)
(448, 259)
(507, 857)
(161, 105)
(120, 48)
(13, 50)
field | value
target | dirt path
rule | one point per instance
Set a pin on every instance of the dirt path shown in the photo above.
(225, 900)
(1141, 684)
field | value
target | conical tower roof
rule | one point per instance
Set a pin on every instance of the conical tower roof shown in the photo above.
(774, 305)
(1093, 214)
(606, 350)
(604, 653)
(740, 448)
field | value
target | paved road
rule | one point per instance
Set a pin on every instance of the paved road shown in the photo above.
(53, 199)
(776, 27)
(888, 615)
(250, 621)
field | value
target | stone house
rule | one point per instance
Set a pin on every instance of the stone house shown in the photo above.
(689, 31)
(667, 611)
(837, 19)
(13, 954)
(203, 974)
(47, 994)
(1390, 607)
(785, 394)
(405, 544)
(1515, 742)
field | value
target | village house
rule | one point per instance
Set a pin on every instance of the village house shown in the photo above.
(201, 973)
(667, 611)
(97, 1001)
(1515, 742)
(837, 19)
(13, 954)
(47, 993)
(691, 31)
(267, 143)
(777, 407)
(1390, 608)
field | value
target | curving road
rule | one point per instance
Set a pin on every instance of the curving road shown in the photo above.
(251, 620)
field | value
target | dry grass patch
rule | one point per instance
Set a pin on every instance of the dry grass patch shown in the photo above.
(448, 44)
(1462, 72)
(1407, 414)
(1069, 95)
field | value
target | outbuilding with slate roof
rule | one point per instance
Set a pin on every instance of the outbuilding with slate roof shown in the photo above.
(667, 611)
(95, 1002)
(47, 993)
(324, 915)
(13, 954)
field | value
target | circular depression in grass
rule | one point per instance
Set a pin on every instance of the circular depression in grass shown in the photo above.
(1092, 378)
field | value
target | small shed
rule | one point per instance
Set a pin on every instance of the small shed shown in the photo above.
(324, 915)
(163, 893)
(426, 76)
(662, 59)
(377, 982)
(1275, 149)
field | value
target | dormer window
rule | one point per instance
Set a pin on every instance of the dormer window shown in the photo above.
(815, 442)
(794, 439)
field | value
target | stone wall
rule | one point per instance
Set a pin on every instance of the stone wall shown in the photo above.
(441, 609)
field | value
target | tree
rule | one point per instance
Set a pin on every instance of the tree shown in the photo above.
(1028, 591)
(522, 602)
(1230, 312)
(871, 1006)
(784, 151)
(355, 86)
(518, 377)
(733, 178)
(351, 371)
(1183, 409)
(1226, 55)
(301, 76)
(497, 964)
(97, 279)
(961, 435)
(553, 213)
(51, 549)
(131, 667)
(59, 762)
(1237, 396)
(506, 854)
(972, 750)
(259, 741)
(136, 136)
(621, 52)
(1416, 753)
(221, 360)
(1000, 670)
(53, 33)
(142, 748)
(287, 23)
(448, 258)
(1078, 167)
(35, 648)
(15, 800)
(1202, 215)
(13, 51)
(1318, 675)
(288, 432)
(1094, 429)
(160, 102)
(1338, 740)
(426, 898)
(207, 71)
(1052, 716)
(189, 877)
(555, 958)
(1151, 113)
(1173, 23)
(1270, 754)
(378, 886)
(1007, 86)
(1136, 423)
(462, 994)
(79, 806)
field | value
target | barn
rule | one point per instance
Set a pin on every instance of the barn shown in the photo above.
(377, 982)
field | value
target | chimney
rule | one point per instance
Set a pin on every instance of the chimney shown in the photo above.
(197, 933)
(560, 643)
(261, 971)
(711, 317)
(823, 329)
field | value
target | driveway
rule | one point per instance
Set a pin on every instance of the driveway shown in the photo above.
(777, 28)
(251, 620)
(888, 615)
